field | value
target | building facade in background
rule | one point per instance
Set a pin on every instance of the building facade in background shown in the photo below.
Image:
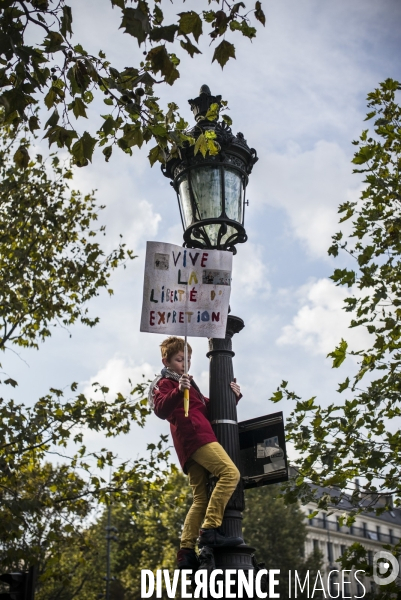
(325, 534)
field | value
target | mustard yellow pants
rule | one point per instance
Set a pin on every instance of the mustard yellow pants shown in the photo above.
(210, 458)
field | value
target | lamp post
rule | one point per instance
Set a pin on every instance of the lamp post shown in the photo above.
(211, 196)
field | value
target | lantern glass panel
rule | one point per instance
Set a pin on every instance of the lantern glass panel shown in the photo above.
(206, 189)
(233, 185)
(230, 231)
(212, 232)
(184, 195)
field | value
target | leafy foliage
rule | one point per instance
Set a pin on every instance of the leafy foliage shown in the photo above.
(33, 493)
(361, 437)
(278, 533)
(147, 521)
(51, 263)
(63, 75)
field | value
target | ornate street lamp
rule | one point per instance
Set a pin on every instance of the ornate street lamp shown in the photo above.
(211, 189)
(211, 196)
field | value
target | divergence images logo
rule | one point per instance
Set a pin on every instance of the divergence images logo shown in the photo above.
(382, 574)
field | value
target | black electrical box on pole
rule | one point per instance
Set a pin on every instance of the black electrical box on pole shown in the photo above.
(21, 585)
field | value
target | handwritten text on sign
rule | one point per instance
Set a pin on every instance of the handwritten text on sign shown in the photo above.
(186, 291)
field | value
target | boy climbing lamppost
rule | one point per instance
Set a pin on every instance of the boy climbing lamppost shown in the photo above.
(211, 191)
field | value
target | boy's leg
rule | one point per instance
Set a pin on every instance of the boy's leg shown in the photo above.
(215, 459)
(197, 481)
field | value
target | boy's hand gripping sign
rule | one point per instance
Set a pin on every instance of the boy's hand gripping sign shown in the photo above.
(186, 291)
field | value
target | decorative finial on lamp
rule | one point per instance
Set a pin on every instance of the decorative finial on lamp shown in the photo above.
(202, 103)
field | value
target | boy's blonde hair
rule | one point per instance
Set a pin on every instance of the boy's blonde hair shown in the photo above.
(172, 345)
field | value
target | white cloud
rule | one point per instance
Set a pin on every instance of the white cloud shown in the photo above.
(309, 186)
(250, 272)
(321, 322)
(115, 375)
(143, 227)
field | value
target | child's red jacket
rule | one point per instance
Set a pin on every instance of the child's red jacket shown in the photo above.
(189, 433)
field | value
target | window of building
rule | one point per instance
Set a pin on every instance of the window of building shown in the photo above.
(347, 587)
(359, 589)
(365, 530)
(378, 532)
(370, 557)
(333, 585)
(324, 521)
(391, 534)
(372, 587)
(330, 552)
(315, 545)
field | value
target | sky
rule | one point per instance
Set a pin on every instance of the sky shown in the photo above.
(298, 94)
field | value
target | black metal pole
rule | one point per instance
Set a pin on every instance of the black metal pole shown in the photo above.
(223, 415)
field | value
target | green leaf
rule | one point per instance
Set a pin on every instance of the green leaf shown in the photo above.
(160, 61)
(190, 22)
(79, 77)
(79, 49)
(132, 136)
(247, 30)
(212, 115)
(236, 7)
(136, 23)
(370, 115)
(201, 145)
(53, 119)
(11, 382)
(21, 157)
(50, 97)
(223, 53)
(277, 396)
(209, 15)
(227, 120)
(338, 355)
(163, 33)
(87, 97)
(107, 152)
(78, 108)
(259, 14)
(213, 147)
(363, 155)
(108, 125)
(344, 277)
(33, 123)
(343, 386)
(83, 148)
(155, 154)
(159, 130)
(66, 21)
(53, 42)
(190, 48)
(61, 136)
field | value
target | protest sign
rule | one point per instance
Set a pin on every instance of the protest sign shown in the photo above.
(186, 291)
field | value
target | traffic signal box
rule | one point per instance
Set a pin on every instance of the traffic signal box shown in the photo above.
(21, 585)
(262, 451)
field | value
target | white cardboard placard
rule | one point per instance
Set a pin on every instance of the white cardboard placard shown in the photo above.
(186, 291)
